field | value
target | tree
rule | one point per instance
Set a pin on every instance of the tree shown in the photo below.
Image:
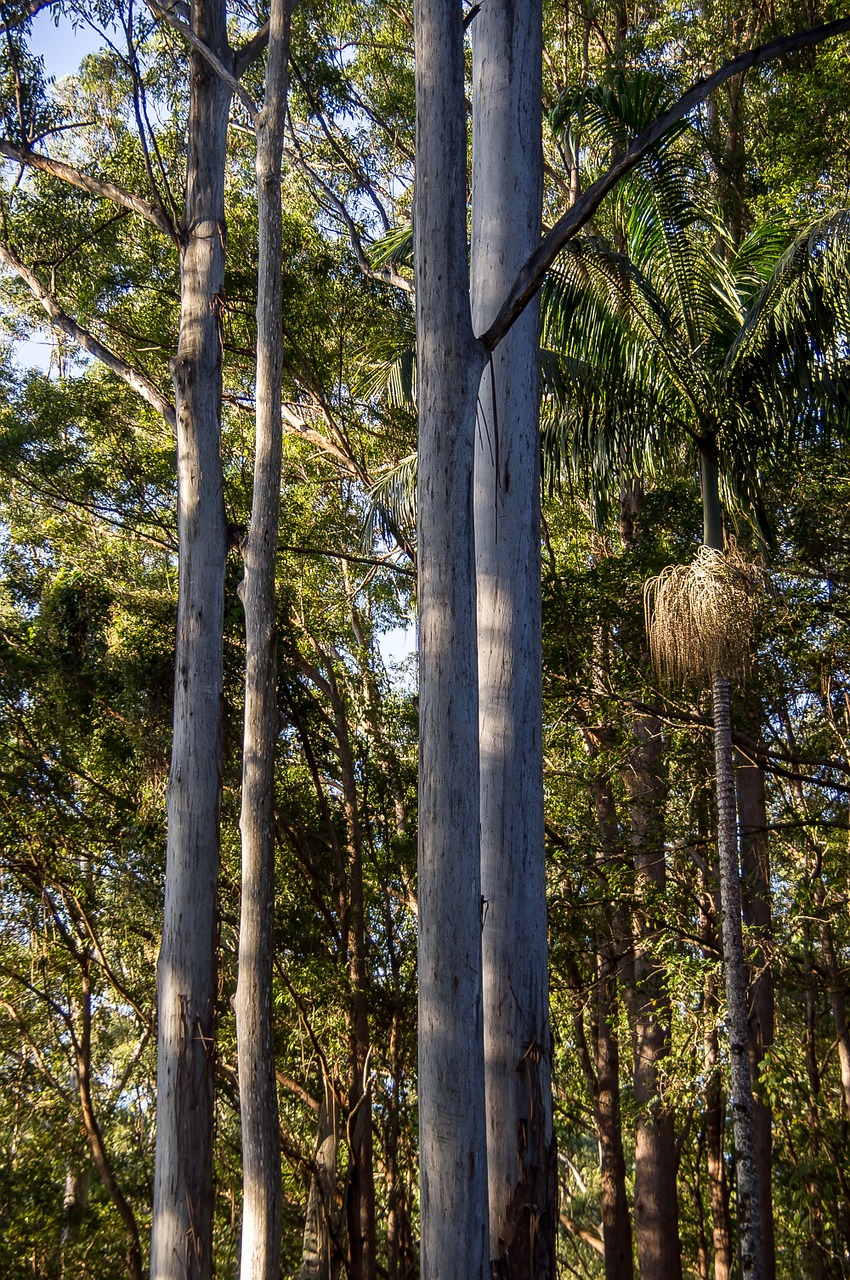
(679, 321)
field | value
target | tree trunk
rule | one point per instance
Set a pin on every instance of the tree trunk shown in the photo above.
(261, 1205)
(320, 1260)
(454, 1231)
(718, 1190)
(749, 1225)
(181, 1246)
(656, 1211)
(616, 1225)
(506, 204)
(755, 895)
(611, 944)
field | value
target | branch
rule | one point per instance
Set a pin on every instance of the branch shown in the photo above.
(386, 274)
(140, 384)
(31, 10)
(94, 186)
(533, 271)
(242, 58)
(207, 54)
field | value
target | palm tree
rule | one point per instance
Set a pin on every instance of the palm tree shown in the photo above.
(673, 344)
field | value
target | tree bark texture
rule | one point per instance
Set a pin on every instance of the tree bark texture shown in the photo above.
(749, 1224)
(181, 1244)
(755, 899)
(454, 1230)
(261, 1200)
(320, 1259)
(506, 204)
(656, 1216)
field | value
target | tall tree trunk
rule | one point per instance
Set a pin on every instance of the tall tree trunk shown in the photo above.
(749, 1224)
(656, 1213)
(506, 205)
(181, 1246)
(611, 945)
(452, 1124)
(718, 1190)
(616, 1225)
(755, 896)
(261, 1203)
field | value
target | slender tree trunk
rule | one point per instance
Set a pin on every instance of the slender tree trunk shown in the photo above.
(181, 1247)
(755, 891)
(454, 1217)
(718, 1191)
(320, 1259)
(611, 946)
(506, 205)
(95, 1138)
(656, 1213)
(616, 1224)
(261, 1203)
(749, 1224)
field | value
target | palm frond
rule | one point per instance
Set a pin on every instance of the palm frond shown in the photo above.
(790, 363)
(392, 502)
(394, 247)
(388, 364)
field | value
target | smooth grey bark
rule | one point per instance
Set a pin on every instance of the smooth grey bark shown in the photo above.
(181, 1245)
(262, 1196)
(734, 971)
(507, 185)
(453, 1180)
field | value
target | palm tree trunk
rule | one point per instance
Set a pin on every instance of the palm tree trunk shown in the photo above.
(453, 1143)
(262, 1196)
(506, 203)
(749, 1223)
(755, 888)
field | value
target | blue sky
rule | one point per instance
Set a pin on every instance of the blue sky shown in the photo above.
(62, 47)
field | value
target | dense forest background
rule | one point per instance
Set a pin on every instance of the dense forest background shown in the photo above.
(88, 546)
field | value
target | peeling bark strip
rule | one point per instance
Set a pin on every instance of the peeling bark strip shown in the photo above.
(181, 1243)
(262, 1196)
(507, 184)
(450, 363)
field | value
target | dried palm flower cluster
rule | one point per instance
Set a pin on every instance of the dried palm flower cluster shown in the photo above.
(700, 616)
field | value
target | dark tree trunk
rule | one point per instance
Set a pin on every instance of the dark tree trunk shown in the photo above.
(656, 1215)
(181, 1247)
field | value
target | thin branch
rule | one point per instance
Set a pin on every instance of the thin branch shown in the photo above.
(207, 54)
(85, 182)
(140, 384)
(386, 274)
(531, 274)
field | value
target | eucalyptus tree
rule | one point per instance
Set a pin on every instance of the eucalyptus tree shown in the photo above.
(451, 361)
(714, 354)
